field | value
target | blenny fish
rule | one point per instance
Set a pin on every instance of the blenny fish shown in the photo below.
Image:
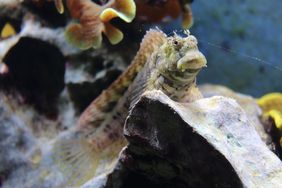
(169, 64)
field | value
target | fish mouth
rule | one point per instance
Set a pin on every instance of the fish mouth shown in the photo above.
(188, 67)
(191, 62)
(184, 76)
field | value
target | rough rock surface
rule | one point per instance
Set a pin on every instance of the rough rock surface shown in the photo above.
(86, 73)
(38, 74)
(15, 142)
(207, 143)
(247, 102)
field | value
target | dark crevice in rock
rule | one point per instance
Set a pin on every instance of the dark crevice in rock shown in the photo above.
(132, 179)
(12, 15)
(16, 23)
(47, 11)
(97, 64)
(82, 94)
(275, 134)
(36, 70)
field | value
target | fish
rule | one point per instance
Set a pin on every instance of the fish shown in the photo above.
(166, 63)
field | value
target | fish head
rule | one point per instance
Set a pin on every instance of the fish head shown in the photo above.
(179, 58)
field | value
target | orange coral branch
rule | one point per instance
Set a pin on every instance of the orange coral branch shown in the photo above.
(59, 5)
(157, 13)
(164, 11)
(94, 20)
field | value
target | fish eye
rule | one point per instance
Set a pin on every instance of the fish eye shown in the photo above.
(176, 44)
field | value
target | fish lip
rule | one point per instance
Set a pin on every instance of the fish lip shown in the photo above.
(191, 60)
(185, 75)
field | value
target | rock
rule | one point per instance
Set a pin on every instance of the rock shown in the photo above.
(97, 182)
(10, 2)
(16, 142)
(38, 74)
(25, 143)
(12, 14)
(207, 143)
(247, 102)
(46, 11)
(83, 93)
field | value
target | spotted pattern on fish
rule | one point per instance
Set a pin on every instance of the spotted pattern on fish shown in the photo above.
(100, 106)
(169, 64)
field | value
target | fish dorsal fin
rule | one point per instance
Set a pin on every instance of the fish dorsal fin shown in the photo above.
(97, 111)
(141, 84)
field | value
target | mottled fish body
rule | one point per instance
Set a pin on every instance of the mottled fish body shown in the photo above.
(164, 63)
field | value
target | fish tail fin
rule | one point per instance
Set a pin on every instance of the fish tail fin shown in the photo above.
(77, 159)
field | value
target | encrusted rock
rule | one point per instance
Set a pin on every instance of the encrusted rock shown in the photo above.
(38, 74)
(207, 143)
(247, 102)
(16, 142)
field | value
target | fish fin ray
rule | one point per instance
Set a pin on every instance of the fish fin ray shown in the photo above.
(76, 159)
(141, 85)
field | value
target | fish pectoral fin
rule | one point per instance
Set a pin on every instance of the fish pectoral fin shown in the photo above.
(76, 159)
(140, 85)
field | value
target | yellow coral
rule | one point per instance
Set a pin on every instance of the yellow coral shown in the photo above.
(187, 20)
(7, 31)
(94, 20)
(271, 101)
(277, 117)
(271, 104)
(59, 6)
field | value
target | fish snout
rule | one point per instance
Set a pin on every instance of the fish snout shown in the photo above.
(192, 60)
